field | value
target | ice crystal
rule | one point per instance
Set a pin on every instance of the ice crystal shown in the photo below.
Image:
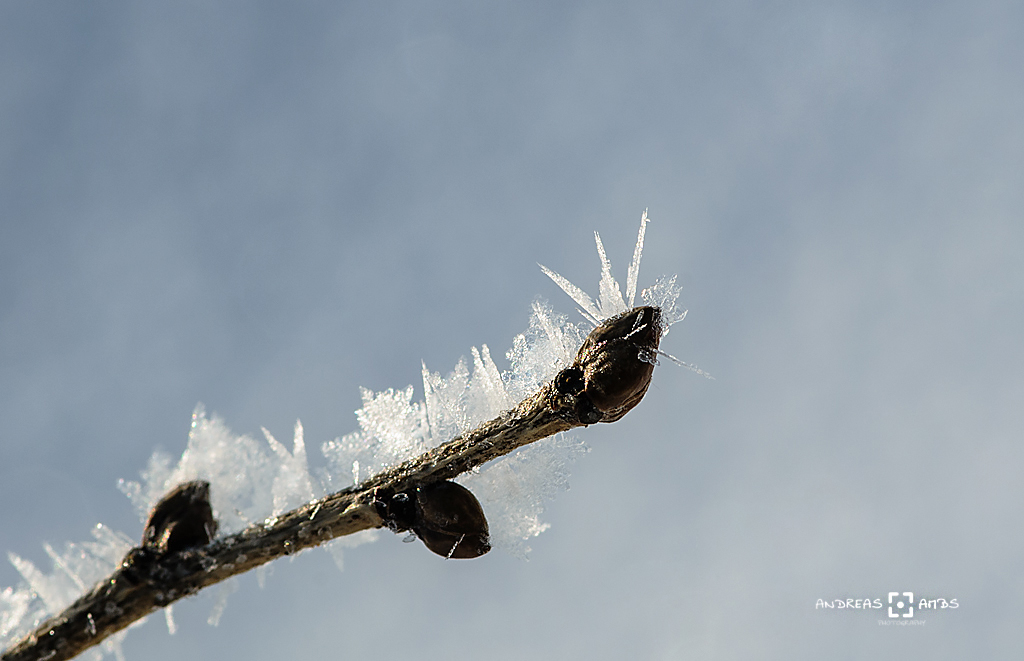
(241, 472)
(634, 266)
(663, 294)
(547, 346)
(224, 590)
(172, 628)
(293, 484)
(75, 569)
(252, 480)
(513, 491)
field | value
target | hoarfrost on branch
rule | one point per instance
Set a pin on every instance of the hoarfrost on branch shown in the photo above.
(252, 480)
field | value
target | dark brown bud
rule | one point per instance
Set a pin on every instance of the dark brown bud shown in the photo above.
(450, 521)
(182, 519)
(615, 364)
(446, 517)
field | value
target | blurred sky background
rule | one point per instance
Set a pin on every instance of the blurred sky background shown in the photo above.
(263, 206)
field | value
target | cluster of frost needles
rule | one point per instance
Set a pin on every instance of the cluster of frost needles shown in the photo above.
(254, 479)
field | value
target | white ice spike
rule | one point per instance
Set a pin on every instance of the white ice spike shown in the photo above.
(589, 310)
(610, 295)
(610, 302)
(634, 267)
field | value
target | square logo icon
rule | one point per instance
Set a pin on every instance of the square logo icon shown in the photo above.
(901, 605)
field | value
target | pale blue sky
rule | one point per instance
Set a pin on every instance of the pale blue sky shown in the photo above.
(264, 206)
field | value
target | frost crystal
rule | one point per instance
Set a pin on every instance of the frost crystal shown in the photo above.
(75, 569)
(513, 490)
(224, 590)
(293, 485)
(252, 480)
(547, 346)
(241, 472)
(634, 266)
(663, 294)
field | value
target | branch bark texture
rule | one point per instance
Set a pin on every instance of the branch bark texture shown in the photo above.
(609, 377)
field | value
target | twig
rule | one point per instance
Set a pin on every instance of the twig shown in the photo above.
(607, 379)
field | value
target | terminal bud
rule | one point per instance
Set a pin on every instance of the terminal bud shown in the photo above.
(614, 366)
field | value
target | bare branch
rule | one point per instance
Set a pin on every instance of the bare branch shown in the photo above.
(609, 377)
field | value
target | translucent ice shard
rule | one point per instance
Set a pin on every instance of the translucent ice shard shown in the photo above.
(548, 345)
(513, 490)
(610, 301)
(239, 469)
(292, 485)
(446, 402)
(14, 607)
(610, 298)
(487, 397)
(396, 423)
(172, 628)
(589, 310)
(664, 294)
(224, 590)
(75, 568)
(634, 266)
